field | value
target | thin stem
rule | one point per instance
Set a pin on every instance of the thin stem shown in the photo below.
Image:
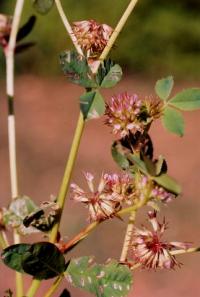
(68, 26)
(3, 240)
(127, 238)
(118, 29)
(68, 172)
(54, 287)
(9, 54)
(33, 288)
(188, 251)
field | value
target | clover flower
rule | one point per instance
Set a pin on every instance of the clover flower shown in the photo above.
(106, 201)
(127, 114)
(149, 249)
(123, 114)
(92, 36)
(5, 28)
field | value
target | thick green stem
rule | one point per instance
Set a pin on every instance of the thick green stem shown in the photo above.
(54, 287)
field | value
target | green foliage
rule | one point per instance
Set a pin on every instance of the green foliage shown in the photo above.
(92, 105)
(119, 158)
(173, 121)
(76, 68)
(12, 256)
(42, 260)
(187, 100)
(109, 74)
(18, 209)
(43, 6)
(164, 87)
(107, 280)
(153, 171)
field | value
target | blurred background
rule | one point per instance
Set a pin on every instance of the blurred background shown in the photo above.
(160, 38)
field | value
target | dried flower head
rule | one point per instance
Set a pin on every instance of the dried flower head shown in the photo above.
(127, 114)
(5, 28)
(150, 250)
(106, 201)
(92, 36)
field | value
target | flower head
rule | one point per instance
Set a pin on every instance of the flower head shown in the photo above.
(5, 28)
(127, 114)
(106, 201)
(150, 250)
(122, 114)
(92, 36)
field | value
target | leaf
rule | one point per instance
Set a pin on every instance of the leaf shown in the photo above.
(113, 77)
(43, 260)
(92, 105)
(164, 87)
(187, 100)
(26, 28)
(138, 163)
(76, 68)
(168, 183)
(119, 158)
(107, 280)
(161, 166)
(173, 121)
(18, 209)
(43, 6)
(12, 256)
(65, 293)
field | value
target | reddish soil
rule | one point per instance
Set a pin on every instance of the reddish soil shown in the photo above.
(46, 112)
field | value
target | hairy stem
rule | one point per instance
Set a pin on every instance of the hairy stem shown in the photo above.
(9, 54)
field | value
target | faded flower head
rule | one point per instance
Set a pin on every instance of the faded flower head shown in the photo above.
(92, 36)
(106, 201)
(5, 28)
(150, 250)
(127, 114)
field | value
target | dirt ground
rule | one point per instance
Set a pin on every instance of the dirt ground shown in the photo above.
(46, 112)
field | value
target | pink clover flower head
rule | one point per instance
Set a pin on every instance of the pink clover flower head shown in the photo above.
(123, 113)
(5, 28)
(150, 250)
(92, 36)
(103, 202)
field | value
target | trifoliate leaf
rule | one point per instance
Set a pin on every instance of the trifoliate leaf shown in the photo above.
(187, 100)
(173, 121)
(164, 87)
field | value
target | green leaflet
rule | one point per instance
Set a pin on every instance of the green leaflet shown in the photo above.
(12, 256)
(43, 6)
(187, 100)
(92, 105)
(173, 121)
(42, 260)
(164, 87)
(107, 280)
(119, 158)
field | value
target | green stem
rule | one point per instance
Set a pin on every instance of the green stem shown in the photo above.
(33, 288)
(54, 287)
(67, 174)
(3, 242)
